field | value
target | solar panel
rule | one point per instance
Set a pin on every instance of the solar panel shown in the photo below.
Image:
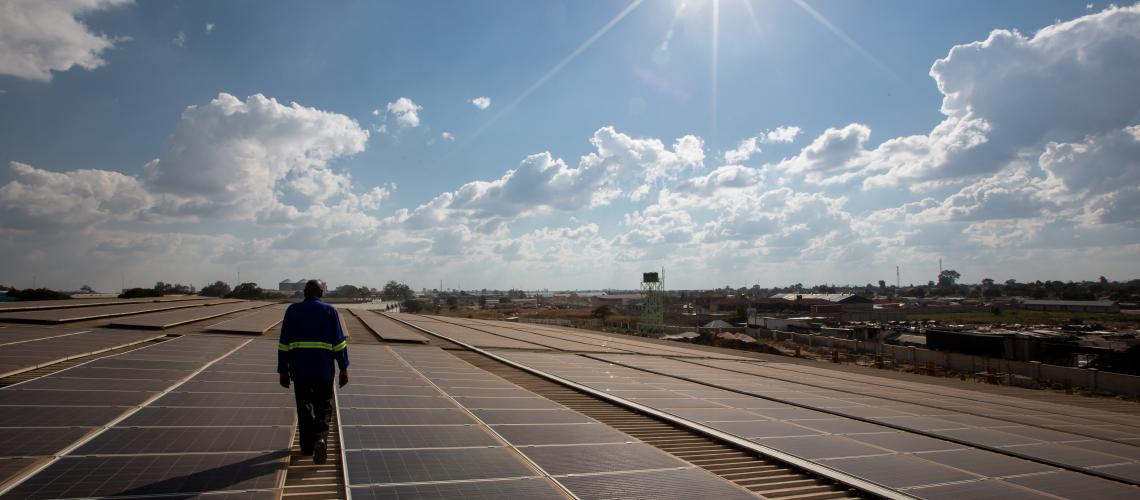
(95, 384)
(561, 416)
(37, 397)
(143, 440)
(167, 319)
(682, 484)
(222, 399)
(488, 392)
(31, 442)
(581, 459)
(360, 401)
(58, 416)
(388, 329)
(144, 364)
(544, 434)
(398, 416)
(84, 371)
(905, 442)
(255, 323)
(18, 358)
(243, 387)
(72, 477)
(416, 436)
(977, 489)
(185, 417)
(450, 464)
(85, 313)
(10, 467)
(1073, 485)
(531, 403)
(506, 489)
(387, 390)
(985, 463)
(14, 334)
(898, 471)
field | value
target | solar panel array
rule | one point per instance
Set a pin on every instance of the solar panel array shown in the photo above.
(32, 354)
(32, 305)
(1075, 419)
(1117, 458)
(490, 422)
(167, 319)
(41, 417)
(254, 323)
(572, 339)
(402, 438)
(467, 335)
(906, 461)
(387, 329)
(11, 334)
(213, 433)
(56, 316)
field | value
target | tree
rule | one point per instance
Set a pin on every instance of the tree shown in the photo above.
(217, 289)
(601, 312)
(452, 303)
(988, 282)
(134, 293)
(246, 291)
(37, 294)
(394, 290)
(882, 285)
(948, 278)
(86, 289)
(411, 306)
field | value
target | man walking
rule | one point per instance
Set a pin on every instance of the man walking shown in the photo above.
(311, 339)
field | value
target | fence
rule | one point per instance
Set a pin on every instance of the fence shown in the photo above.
(1024, 373)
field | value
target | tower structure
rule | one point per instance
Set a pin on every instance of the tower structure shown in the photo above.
(653, 312)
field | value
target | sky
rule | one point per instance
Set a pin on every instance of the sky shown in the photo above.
(567, 145)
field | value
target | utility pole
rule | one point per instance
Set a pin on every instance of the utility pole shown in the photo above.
(898, 282)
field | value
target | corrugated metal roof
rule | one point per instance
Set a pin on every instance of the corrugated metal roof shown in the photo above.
(1093, 303)
(830, 297)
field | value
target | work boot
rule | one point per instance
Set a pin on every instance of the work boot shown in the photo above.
(320, 452)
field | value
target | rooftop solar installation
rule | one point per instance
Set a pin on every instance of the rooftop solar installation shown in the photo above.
(988, 409)
(18, 358)
(915, 461)
(228, 442)
(557, 451)
(561, 344)
(254, 323)
(10, 334)
(56, 316)
(168, 319)
(42, 417)
(945, 421)
(467, 335)
(69, 303)
(387, 329)
(625, 343)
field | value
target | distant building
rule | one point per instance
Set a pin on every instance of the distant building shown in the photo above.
(849, 302)
(1099, 306)
(298, 286)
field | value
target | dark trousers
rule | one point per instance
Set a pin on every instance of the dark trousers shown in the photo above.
(314, 408)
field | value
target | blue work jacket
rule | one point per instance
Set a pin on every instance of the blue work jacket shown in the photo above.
(311, 339)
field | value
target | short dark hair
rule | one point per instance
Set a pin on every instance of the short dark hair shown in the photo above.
(313, 289)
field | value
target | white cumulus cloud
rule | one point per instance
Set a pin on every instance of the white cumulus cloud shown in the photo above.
(447, 136)
(406, 111)
(38, 37)
(481, 102)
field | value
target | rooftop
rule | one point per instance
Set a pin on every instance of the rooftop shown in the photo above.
(185, 402)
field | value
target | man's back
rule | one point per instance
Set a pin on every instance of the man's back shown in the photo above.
(311, 341)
